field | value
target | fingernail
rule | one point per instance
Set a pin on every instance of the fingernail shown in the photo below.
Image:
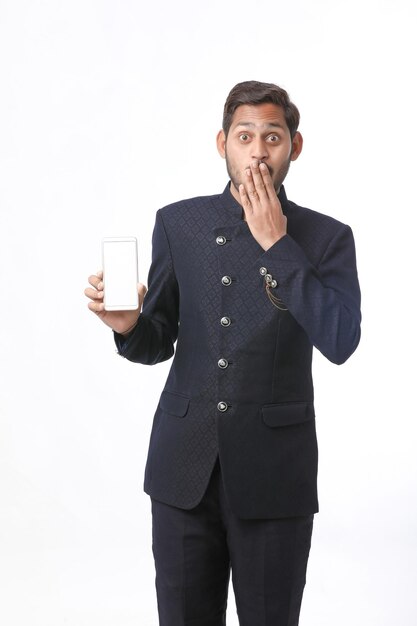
(263, 166)
(254, 163)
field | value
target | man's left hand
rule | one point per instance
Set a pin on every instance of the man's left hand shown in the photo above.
(263, 211)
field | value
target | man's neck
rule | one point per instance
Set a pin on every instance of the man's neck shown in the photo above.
(235, 193)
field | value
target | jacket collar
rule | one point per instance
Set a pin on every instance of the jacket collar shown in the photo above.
(229, 202)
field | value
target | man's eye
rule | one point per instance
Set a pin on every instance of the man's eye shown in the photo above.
(273, 138)
(244, 137)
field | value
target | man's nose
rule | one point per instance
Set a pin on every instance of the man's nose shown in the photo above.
(259, 150)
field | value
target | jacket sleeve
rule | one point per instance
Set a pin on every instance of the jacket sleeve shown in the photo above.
(324, 300)
(152, 340)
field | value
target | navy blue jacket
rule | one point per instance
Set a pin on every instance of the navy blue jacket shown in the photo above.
(240, 386)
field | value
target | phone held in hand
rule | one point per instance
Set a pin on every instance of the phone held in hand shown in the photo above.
(120, 273)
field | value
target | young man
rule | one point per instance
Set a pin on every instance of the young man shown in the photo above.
(255, 282)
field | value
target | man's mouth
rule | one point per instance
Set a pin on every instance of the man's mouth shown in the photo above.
(270, 170)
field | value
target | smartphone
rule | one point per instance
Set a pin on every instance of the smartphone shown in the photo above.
(120, 273)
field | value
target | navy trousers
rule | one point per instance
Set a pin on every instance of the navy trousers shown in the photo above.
(195, 550)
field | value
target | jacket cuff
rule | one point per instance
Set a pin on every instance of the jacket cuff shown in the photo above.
(123, 342)
(281, 264)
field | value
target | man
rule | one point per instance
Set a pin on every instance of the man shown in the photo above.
(249, 282)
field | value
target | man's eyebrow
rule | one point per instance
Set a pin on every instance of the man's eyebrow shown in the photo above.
(268, 124)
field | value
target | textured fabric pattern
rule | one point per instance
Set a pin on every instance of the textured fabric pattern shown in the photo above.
(242, 391)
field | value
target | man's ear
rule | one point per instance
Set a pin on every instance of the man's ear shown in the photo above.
(221, 143)
(297, 146)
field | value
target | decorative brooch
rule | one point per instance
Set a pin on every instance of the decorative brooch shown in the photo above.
(271, 283)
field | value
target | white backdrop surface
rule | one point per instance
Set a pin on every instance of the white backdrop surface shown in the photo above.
(109, 110)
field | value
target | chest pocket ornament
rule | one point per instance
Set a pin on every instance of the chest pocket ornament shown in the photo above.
(271, 283)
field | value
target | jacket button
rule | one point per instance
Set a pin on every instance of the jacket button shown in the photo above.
(226, 280)
(274, 283)
(263, 271)
(222, 407)
(268, 278)
(225, 321)
(223, 363)
(221, 240)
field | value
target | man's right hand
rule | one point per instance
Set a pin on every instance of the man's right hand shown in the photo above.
(120, 321)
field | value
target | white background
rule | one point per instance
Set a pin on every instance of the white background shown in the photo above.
(109, 110)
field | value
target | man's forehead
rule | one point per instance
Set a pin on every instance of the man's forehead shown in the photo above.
(267, 125)
(266, 115)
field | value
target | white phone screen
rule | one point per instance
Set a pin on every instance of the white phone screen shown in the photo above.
(120, 273)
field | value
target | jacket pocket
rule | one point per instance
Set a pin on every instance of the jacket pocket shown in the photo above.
(287, 413)
(173, 404)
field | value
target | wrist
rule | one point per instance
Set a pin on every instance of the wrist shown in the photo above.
(271, 241)
(127, 332)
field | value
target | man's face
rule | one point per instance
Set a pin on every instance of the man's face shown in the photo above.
(258, 133)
